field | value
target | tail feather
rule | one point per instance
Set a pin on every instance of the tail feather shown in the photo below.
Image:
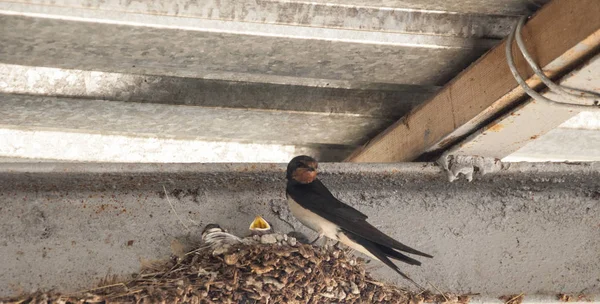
(382, 252)
(397, 255)
(368, 231)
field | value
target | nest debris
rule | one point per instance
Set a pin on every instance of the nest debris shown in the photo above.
(262, 271)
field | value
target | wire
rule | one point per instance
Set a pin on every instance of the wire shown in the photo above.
(578, 100)
(575, 96)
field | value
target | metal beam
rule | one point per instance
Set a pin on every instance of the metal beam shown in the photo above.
(96, 130)
(222, 56)
(560, 35)
(498, 7)
(252, 67)
(316, 19)
(389, 101)
(559, 145)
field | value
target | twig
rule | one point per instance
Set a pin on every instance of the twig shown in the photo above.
(197, 250)
(152, 274)
(124, 294)
(514, 298)
(443, 295)
(104, 287)
(375, 283)
(172, 208)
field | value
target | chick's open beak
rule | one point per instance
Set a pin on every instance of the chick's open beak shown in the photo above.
(259, 224)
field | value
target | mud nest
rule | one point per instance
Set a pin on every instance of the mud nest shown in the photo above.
(249, 273)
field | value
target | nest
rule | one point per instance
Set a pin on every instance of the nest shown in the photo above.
(284, 271)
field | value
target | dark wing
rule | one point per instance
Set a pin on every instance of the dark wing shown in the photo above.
(317, 198)
(382, 253)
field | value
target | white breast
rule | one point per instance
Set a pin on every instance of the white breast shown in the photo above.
(321, 225)
(312, 220)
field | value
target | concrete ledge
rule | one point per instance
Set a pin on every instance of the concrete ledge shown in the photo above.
(532, 228)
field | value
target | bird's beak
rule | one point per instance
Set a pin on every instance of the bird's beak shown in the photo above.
(259, 224)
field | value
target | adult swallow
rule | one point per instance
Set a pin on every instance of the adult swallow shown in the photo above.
(315, 207)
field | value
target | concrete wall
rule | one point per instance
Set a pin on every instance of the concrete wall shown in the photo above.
(532, 228)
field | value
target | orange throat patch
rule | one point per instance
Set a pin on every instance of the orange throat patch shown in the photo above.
(304, 176)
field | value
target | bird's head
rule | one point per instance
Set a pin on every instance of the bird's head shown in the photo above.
(302, 169)
(209, 230)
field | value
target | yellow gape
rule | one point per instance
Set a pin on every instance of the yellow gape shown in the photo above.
(259, 224)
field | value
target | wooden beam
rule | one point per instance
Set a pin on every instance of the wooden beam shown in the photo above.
(559, 36)
(532, 120)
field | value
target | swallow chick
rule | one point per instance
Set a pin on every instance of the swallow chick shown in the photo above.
(218, 239)
(260, 226)
(315, 207)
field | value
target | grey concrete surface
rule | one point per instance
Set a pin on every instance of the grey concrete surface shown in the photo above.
(531, 228)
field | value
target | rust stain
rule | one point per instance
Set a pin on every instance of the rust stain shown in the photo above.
(130, 242)
(446, 142)
(102, 208)
(496, 128)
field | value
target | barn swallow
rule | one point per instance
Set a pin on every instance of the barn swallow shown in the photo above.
(315, 207)
(260, 226)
